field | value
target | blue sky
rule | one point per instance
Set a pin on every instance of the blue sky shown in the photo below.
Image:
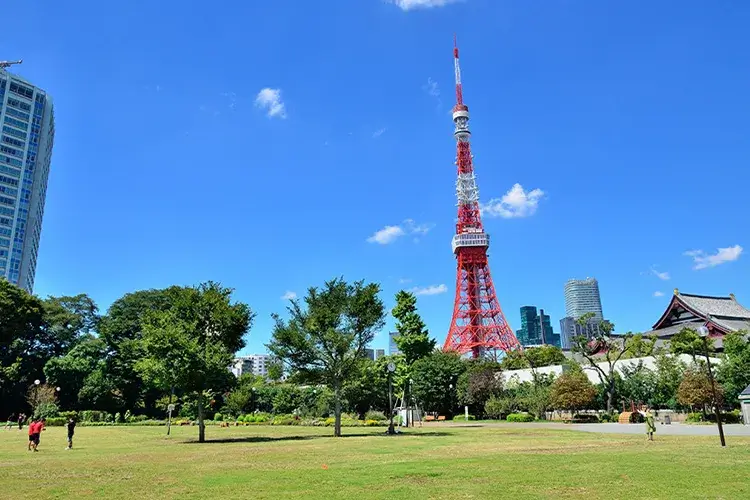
(624, 125)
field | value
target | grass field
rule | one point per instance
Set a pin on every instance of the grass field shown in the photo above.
(302, 462)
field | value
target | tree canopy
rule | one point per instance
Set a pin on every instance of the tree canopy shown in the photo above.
(325, 341)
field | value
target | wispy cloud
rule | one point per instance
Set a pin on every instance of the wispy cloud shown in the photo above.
(407, 5)
(378, 133)
(433, 90)
(404, 281)
(517, 202)
(702, 260)
(429, 290)
(232, 97)
(289, 296)
(661, 275)
(270, 100)
(389, 234)
(658, 294)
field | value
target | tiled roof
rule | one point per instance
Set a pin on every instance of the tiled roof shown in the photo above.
(746, 392)
(669, 331)
(725, 307)
(732, 324)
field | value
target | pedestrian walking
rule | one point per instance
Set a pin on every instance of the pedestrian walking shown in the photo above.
(21, 420)
(33, 435)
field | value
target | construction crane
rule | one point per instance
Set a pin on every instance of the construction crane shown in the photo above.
(8, 64)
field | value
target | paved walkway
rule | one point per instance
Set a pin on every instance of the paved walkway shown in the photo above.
(667, 430)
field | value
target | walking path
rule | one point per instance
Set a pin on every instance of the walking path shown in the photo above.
(667, 430)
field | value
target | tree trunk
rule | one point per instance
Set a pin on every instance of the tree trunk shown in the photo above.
(337, 410)
(201, 425)
(610, 397)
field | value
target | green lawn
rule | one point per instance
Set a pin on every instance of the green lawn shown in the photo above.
(438, 462)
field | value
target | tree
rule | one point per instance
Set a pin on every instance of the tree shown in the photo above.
(71, 371)
(610, 349)
(533, 357)
(695, 390)
(434, 381)
(326, 341)
(572, 391)
(190, 345)
(734, 370)
(21, 344)
(67, 320)
(638, 383)
(687, 341)
(413, 339)
(669, 371)
(481, 381)
(121, 329)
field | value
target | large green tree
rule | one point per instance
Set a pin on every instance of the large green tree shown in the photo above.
(687, 341)
(734, 369)
(533, 357)
(413, 339)
(603, 350)
(23, 345)
(325, 341)
(71, 371)
(190, 345)
(572, 391)
(482, 380)
(67, 320)
(434, 381)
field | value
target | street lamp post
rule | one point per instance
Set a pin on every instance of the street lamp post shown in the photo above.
(391, 369)
(703, 332)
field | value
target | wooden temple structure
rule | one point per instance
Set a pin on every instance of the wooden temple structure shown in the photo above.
(721, 315)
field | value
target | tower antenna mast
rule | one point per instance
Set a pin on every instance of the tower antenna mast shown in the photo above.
(478, 325)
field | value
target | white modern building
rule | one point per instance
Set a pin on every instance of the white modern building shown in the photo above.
(581, 297)
(257, 364)
(26, 138)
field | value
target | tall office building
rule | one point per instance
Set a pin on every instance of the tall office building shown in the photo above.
(257, 364)
(581, 297)
(536, 329)
(26, 138)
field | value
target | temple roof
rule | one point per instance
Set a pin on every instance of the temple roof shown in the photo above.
(725, 312)
(746, 392)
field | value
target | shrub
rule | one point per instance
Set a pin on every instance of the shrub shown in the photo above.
(91, 416)
(694, 417)
(493, 408)
(69, 414)
(128, 416)
(118, 417)
(582, 418)
(46, 410)
(219, 417)
(56, 422)
(375, 415)
(520, 417)
(606, 417)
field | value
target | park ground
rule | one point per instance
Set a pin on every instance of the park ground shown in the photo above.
(441, 461)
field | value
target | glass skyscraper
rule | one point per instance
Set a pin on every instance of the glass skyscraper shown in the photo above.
(26, 138)
(581, 297)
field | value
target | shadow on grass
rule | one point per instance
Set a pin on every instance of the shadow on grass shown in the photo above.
(269, 439)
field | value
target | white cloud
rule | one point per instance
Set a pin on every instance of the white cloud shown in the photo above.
(658, 294)
(389, 234)
(515, 203)
(403, 281)
(662, 276)
(432, 87)
(429, 290)
(289, 296)
(378, 133)
(702, 260)
(407, 5)
(270, 100)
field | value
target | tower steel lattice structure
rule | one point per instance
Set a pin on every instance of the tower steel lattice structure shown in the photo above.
(478, 325)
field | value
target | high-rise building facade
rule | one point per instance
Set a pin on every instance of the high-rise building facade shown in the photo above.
(257, 364)
(26, 138)
(581, 297)
(536, 328)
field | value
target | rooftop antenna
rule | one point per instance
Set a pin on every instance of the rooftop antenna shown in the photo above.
(8, 64)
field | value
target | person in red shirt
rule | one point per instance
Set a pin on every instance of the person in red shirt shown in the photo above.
(35, 430)
(33, 435)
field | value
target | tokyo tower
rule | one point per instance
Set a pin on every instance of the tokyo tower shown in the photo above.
(478, 323)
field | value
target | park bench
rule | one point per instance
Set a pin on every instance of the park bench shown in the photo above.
(441, 418)
(429, 418)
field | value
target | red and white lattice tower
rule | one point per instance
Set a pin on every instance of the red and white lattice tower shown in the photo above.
(478, 323)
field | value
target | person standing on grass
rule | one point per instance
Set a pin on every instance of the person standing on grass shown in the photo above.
(33, 435)
(650, 422)
(10, 422)
(21, 418)
(71, 430)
